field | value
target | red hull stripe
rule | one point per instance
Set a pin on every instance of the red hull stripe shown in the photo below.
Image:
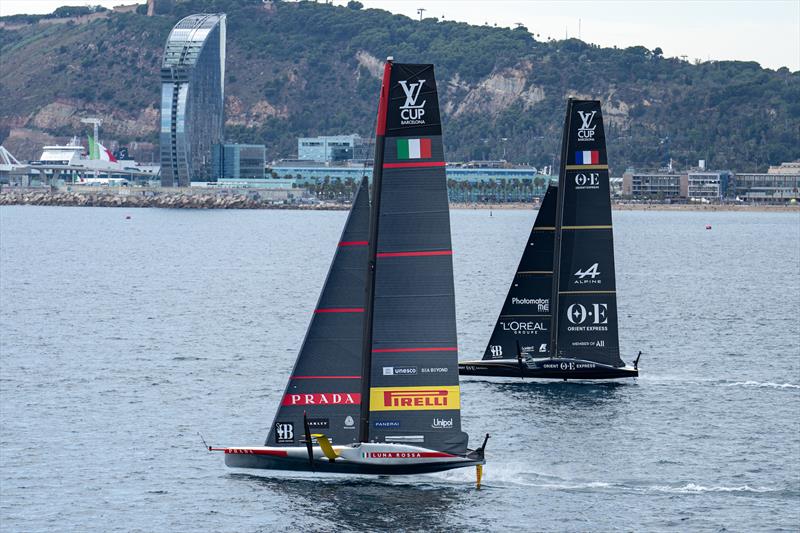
(250, 451)
(353, 243)
(341, 310)
(434, 349)
(415, 164)
(326, 377)
(415, 254)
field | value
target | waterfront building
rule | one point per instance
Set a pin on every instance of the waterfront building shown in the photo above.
(192, 98)
(709, 185)
(238, 161)
(330, 148)
(655, 185)
(780, 183)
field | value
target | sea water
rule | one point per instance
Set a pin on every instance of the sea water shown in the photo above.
(122, 339)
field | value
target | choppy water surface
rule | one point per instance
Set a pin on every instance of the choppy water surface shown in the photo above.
(121, 339)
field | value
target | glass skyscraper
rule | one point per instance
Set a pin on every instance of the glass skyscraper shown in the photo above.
(192, 98)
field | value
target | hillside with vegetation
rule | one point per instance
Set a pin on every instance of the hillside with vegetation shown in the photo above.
(302, 68)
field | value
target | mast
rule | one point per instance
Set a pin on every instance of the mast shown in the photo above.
(562, 173)
(377, 174)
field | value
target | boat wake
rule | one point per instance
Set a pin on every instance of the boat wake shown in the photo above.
(693, 488)
(764, 384)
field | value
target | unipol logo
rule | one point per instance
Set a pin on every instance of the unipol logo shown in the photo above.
(496, 351)
(411, 112)
(587, 181)
(586, 131)
(284, 432)
(596, 314)
(587, 276)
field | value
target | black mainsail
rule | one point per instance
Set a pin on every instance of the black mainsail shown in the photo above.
(375, 387)
(411, 352)
(571, 249)
(524, 322)
(584, 288)
(326, 380)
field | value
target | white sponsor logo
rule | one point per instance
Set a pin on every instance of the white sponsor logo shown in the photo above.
(441, 423)
(349, 422)
(410, 111)
(399, 370)
(586, 131)
(543, 348)
(594, 318)
(285, 431)
(591, 273)
(587, 181)
(435, 370)
(496, 350)
(542, 304)
(523, 328)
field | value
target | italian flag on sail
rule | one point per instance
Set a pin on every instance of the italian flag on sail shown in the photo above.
(587, 157)
(413, 148)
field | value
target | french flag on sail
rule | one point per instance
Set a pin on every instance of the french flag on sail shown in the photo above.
(587, 157)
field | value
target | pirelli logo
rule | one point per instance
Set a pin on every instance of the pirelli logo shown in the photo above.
(414, 398)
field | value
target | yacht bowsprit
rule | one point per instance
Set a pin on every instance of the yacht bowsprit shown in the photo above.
(564, 326)
(375, 387)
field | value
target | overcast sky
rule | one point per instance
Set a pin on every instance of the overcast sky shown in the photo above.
(767, 31)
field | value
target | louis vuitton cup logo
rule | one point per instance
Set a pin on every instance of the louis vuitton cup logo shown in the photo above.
(412, 113)
(586, 131)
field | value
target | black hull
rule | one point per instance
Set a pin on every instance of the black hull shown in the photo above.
(266, 462)
(546, 369)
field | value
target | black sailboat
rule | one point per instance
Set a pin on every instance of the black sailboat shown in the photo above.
(559, 319)
(375, 387)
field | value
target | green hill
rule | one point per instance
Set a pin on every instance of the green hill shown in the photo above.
(304, 68)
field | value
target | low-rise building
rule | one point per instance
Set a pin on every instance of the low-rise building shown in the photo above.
(654, 185)
(238, 161)
(708, 184)
(780, 183)
(329, 148)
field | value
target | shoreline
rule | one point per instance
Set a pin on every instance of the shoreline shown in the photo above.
(204, 200)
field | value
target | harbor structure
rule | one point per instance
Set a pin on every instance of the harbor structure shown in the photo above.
(238, 161)
(192, 98)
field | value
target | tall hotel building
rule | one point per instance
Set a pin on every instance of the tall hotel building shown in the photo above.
(192, 98)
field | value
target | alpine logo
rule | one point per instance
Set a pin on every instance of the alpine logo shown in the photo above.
(597, 315)
(323, 398)
(591, 273)
(586, 131)
(442, 423)
(414, 398)
(284, 432)
(411, 113)
(496, 350)
(587, 181)
(543, 348)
